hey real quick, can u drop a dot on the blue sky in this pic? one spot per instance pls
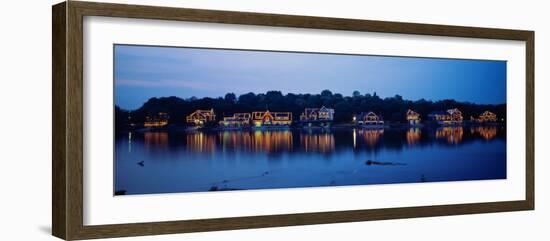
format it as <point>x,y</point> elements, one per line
<point>142,72</point>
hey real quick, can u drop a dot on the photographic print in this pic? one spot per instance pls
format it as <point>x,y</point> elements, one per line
<point>203,119</point>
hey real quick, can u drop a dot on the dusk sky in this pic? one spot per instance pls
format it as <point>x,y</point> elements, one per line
<point>142,72</point>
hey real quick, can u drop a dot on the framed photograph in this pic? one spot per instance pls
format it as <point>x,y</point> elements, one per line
<point>171,120</point>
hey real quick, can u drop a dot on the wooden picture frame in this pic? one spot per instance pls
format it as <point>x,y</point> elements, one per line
<point>67,150</point>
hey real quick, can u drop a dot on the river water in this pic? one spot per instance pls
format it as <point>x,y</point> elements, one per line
<point>169,162</point>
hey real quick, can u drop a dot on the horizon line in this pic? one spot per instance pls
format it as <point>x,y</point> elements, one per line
<point>285,94</point>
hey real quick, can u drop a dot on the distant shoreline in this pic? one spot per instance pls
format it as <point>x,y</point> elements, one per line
<point>182,128</point>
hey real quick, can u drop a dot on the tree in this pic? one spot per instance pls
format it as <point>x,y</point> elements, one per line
<point>230,97</point>
<point>343,112</point>
<point>326,93</point>
<point>274,94</point>
<point>392,108</point>
<point>247,99</point>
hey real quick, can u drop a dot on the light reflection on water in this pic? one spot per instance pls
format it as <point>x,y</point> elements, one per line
<point>487,132</point>
<point>370,136</point>
<point>453,135</point>
<point>322,142</point>
<point>228,160</point>
<point>199,142</point>
<point>155,140</point>
<point>413,136</point>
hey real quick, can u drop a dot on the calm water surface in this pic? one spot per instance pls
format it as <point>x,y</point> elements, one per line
<point>167,162</point>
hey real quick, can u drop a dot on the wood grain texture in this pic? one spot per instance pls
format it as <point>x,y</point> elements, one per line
<point>155,228</point>
<point>530,120</point>
<point>280,20</point>
<point>75,106</point>
<point>59,192</point>
<point>67,180</point>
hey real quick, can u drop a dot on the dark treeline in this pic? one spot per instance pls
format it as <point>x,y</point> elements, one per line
<point>391,108</point>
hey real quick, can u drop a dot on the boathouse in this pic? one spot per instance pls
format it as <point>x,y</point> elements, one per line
<point>369,119</point>
<point>322,114</point>
<point>200,117</point>
<point>450,117</point>
<point>159,120</point>
<point>412,117</point>
<point>487,117</point>
<point>237,120</point>
<point>267,118</point>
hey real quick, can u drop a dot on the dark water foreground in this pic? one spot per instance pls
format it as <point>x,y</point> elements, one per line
<point>167,162</point>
